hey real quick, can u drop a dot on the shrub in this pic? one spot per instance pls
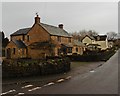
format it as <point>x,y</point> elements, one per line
<point>18,68</point>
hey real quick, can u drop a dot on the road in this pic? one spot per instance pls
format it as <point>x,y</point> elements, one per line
<point>102,80</point>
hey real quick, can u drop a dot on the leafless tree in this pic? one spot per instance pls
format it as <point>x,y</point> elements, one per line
<point>112,35</point>
<point>79,35</point>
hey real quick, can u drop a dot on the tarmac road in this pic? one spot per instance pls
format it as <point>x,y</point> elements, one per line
<point>102,80</point>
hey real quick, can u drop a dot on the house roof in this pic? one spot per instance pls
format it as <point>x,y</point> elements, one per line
<point>23,31</point>
<point>78,43</point>
<point>19,43</point>
<point>92,38</point>
<point>52,30</point>
<point>100,37</point>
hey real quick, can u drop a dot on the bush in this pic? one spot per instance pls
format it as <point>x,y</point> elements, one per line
<point>94,56</point>
<point>18,68</point>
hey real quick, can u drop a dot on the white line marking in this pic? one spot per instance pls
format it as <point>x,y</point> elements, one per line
<point>69,77</point>
<point>27,86</point>
<point>10,91</point>
<point>60,80</point>
<point>51,83</point>
<point>34,88</point>
<point>20,94</point>
<point>92,71</point>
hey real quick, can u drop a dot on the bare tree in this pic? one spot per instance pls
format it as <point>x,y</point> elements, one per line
<point>79,35</point>
<point>112,35</point>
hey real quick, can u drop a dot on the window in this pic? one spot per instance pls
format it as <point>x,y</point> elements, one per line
<point>28,38</point>
<point>59,38</point>
<point>69,50</point>
<point>69,40</point>
<point>58,51</point>
<point>13,50</point>
<point>23,51</point>
<point>23,37</point>
<point>76,49</point>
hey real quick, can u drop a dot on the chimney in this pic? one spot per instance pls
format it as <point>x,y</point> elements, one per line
<point>60,26</point>
<point>37,19</point>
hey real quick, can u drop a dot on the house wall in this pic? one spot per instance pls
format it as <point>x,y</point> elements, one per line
<point>19,53</point>
<point>87,40</point>
<point>80,50</point>
<point>19,37</point>
<point>37,34</point>
<point>56,51</point>
<point>64,40</point>
<point>38,53</point>
<point>103,45</point>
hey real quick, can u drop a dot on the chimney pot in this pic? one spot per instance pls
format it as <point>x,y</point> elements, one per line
<point>60,26</point>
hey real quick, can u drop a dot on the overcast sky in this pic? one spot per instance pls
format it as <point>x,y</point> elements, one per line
<point>99,16</point>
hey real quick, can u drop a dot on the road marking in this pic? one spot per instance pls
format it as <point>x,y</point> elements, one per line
<point>20,94</point>
<point>51,83</point>
<point>34,88</point>
<point>92,71</point>
<point>10,91</point>
<point>27,86</point>
<point>69,77</point>
<point>60,80</point>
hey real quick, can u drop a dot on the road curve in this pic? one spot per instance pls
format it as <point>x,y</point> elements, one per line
<point>103,80</point>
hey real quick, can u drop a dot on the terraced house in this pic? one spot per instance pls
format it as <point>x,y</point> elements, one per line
<point>42,40</point>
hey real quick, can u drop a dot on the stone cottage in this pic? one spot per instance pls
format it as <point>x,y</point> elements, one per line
<point>41,40</point>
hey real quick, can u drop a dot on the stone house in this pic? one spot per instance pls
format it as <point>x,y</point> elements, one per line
<point>99,41</point>
<point>39,41</point>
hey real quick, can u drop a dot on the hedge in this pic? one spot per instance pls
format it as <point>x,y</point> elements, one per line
<point>93,56</point>
<point>22,68</point>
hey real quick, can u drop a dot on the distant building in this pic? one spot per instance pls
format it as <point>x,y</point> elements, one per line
<point>99,41</point>
<point>42,40</point>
